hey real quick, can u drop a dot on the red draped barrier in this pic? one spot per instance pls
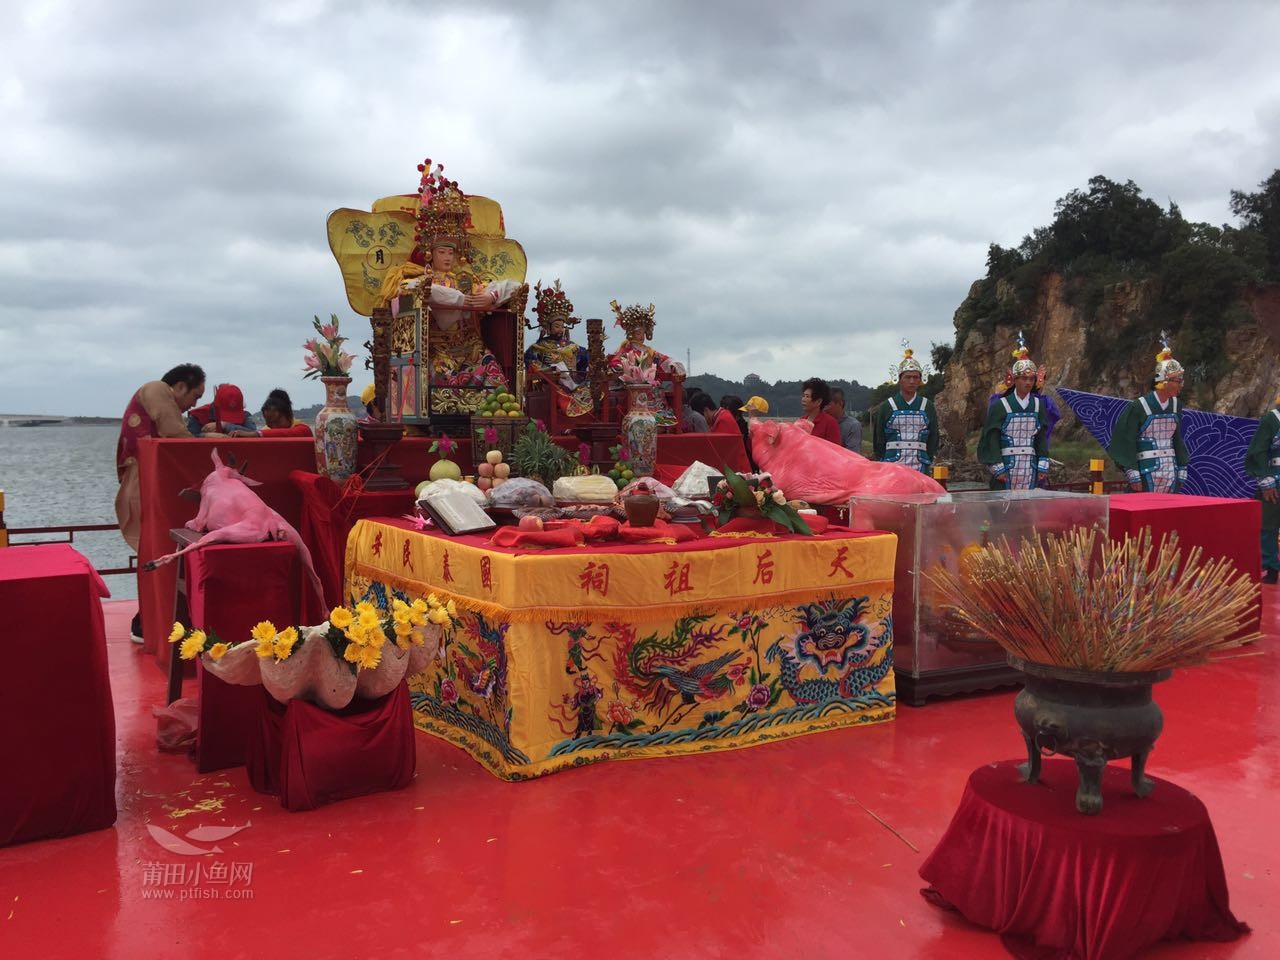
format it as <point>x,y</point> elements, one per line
<point>1221,527</point>
<point>327,518</point>
<point>310,756</point>
<point>229,589</point>
<point>58,751</point>
<point>165,467</point>
<point>1056,884</point>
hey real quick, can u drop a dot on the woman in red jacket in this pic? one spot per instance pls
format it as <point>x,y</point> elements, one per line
<point>724,420</point>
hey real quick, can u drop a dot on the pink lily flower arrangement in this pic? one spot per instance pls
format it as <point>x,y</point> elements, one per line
<point>325,356</point>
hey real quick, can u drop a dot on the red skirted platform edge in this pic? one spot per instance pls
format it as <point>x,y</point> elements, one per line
<point>1057,885</point>
<point>309,756</point>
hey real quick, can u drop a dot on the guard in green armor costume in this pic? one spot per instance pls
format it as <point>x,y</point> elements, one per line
<point>1014,442</point>
<point>904,429</point>
<point>1147,441</point>
<point>1263,461</point>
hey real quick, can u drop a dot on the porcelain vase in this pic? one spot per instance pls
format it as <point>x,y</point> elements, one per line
<point>640,428</point>
<point>336,432</point>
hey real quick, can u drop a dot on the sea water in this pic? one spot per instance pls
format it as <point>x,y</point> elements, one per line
<point>60,475</point>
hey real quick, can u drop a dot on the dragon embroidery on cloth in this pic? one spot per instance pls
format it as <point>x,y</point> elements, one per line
<point>834,635</point>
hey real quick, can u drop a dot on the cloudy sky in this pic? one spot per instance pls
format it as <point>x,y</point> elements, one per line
<point>796,185</point>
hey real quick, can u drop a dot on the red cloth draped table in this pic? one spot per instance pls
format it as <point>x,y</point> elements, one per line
<point>1058,885</point>
<point>327,517</point>
<point>165,467</point>
<point>1220,526</point>
<point>310,756</point>
<point>58,752</point>
<point>231,587</point>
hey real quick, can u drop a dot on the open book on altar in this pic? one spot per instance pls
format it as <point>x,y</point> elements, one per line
<point>456,513</point>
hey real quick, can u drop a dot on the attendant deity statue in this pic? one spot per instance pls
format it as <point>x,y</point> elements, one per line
<point>637,325</point>
<point>1147,441</point>
<point>635,360</point>
<point>556,356</point>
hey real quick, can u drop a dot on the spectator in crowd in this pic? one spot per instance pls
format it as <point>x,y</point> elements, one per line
<point>372,404</point>
<point>850,428</point>
<point>277,415</point>
<point>226,416</point>
<point>814,397</point>
<point>724,420</point>
<point>701,412</point>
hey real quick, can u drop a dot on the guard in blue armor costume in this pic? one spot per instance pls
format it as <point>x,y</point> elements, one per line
<point>1015,439</point>
<point>904,429</point>
<point>1147,441</point>
<point>1262,460</point>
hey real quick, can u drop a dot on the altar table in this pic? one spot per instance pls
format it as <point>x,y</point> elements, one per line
<point>1057,885</point>
<point>58,753</point>
<point>561,658</point>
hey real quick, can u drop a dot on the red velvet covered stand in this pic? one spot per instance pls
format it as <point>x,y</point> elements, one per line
<point>1058,885</point>
<point>231,587</point>
<point>58,748</point>
<point>309,756</point>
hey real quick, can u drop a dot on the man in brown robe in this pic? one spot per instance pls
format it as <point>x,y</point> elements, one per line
<point>157,409</point>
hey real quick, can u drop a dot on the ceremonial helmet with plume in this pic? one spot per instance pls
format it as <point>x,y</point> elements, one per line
<point>908,364</point>
<point>1166,366</point>
<point>1022,363</point>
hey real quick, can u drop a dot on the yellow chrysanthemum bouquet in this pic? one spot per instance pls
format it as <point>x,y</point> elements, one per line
<point>357,650</point>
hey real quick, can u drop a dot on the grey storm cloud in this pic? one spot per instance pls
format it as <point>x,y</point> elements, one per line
<point>795,186</point>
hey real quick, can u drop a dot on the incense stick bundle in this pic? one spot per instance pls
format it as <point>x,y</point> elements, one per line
<point>1085,601</point>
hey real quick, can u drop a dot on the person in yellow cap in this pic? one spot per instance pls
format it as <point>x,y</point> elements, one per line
<point>369,397</point>
<point>755,406</point>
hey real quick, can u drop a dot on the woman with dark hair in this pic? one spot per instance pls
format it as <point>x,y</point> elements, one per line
<point>701,411</point>
<point>725,420</point>
<point>277,414</point>
<point>732,404</point>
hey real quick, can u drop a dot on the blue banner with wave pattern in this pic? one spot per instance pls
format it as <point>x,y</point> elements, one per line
<point>1215,442</point>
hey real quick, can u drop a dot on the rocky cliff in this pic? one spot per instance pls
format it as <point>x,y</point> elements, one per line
<point>1103,339</point>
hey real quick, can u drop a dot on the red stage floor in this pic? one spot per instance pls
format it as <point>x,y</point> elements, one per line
<point>803,848</point>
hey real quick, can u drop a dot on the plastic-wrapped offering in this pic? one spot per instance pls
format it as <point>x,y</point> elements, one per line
<point>650,486</point>
<point>438,487</point>
<point>520,492</point>
<point>586,489</point>
<point>693,482</point>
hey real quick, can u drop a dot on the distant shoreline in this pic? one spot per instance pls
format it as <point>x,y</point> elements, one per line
<point>36,420</point>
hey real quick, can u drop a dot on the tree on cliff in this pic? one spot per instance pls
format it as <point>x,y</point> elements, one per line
<point>1109,232</point>
<point>1260,212</point>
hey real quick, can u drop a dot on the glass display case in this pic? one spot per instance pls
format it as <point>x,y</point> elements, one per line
<point>933,653</point>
